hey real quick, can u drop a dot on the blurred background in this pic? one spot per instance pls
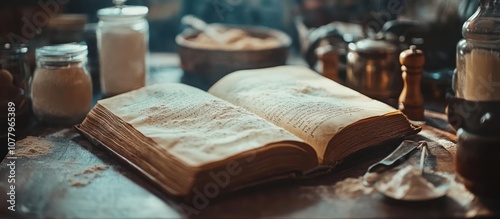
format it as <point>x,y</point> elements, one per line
<point>442,15</point>
<point>433,25</point>
<point>317,29</point>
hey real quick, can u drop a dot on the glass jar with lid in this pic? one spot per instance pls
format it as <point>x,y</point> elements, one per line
<point>122,39</point>
<point>474,110</point>
<point>15,78</point>
<point>62,87</point>
<point>478,55</point>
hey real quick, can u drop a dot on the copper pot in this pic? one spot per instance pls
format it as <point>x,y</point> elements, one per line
<point>373,68</point>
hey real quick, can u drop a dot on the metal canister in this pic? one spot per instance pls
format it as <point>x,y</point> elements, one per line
<point>373,68</point>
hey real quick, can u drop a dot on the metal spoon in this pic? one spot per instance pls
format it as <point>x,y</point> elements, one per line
<point>440,183</point>
<point>377,170</point>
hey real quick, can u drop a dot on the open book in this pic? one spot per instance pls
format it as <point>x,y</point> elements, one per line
<point>253,125</point>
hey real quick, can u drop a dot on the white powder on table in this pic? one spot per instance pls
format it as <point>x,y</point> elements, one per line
<point>87,176</point>
<point>408,183</point>
<point>63,133</point>
<point>32,146</point>
<point>352,188</point>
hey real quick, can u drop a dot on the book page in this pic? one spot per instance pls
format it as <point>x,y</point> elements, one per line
<point>193,125</point>
<point>300,100</point>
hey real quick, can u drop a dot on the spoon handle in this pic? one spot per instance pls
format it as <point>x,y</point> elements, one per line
<point>376,170</point>
<point>423,146</point>
<point>194,22</point>
<point>202,26</point>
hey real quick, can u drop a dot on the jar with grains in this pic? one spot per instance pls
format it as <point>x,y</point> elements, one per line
<point>62,87</point>
<point>122,39</point>
<point>15,78</point>
<point>475,109</point>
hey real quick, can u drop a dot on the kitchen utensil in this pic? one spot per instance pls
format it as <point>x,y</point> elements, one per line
<point>440,183</point>
<point>411,100</point>
<point>376,170</point>
<point>373,68</point>
<point>201,26</point>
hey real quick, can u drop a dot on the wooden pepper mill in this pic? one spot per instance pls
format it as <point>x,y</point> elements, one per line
<point>411,101</point>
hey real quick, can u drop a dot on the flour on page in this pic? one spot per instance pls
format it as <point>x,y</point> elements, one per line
<point>299,100</point>
<point>193,125</point>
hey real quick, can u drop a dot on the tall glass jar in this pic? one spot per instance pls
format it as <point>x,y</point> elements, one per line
<point>15,78</point>
<point>478,55</point>
<point>62,87</point>
<point>475,109</point>
<point>122,39</point>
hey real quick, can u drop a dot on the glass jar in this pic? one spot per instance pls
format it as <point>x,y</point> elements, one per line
<point>62,87</point>
<point>15,78</point>
<point>478,55</point>
<point>475,109</point>
<point>122,39</point>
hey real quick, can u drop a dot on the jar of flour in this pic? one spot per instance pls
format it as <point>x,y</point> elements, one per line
<point>122,39</point>
<point>61,90</point>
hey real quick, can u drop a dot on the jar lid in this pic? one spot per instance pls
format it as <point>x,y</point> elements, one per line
<point>122,12</point>
<point>61,53</point>
<point>371,46</point>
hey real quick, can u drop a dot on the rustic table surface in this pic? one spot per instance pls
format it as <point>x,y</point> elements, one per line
<point>64,183</point>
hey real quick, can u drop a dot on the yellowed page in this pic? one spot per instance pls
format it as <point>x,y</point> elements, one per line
<point>193,125</point>
<point>298,99</point>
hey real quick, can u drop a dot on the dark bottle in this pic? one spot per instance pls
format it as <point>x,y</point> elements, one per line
<point>15,79</point>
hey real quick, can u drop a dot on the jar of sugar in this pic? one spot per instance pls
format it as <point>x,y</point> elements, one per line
<point>61,90</point>
<point>122,39</point>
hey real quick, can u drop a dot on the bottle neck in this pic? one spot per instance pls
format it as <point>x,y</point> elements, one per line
<point>484,25</point>
<point>488,8</point>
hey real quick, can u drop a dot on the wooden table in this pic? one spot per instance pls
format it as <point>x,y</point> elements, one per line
<point>45,186</point>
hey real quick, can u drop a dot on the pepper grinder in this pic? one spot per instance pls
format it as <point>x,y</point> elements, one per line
<point>411,101</point>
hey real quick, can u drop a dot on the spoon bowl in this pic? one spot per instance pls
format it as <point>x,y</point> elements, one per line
<point>441,186</point>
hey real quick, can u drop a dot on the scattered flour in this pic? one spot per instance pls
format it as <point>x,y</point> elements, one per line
<point>62,133</point>
<point>87,176</point>
<point>408,183</point>
<point>33,146</point>
<point>457,191</point>
<point>352,188</point>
